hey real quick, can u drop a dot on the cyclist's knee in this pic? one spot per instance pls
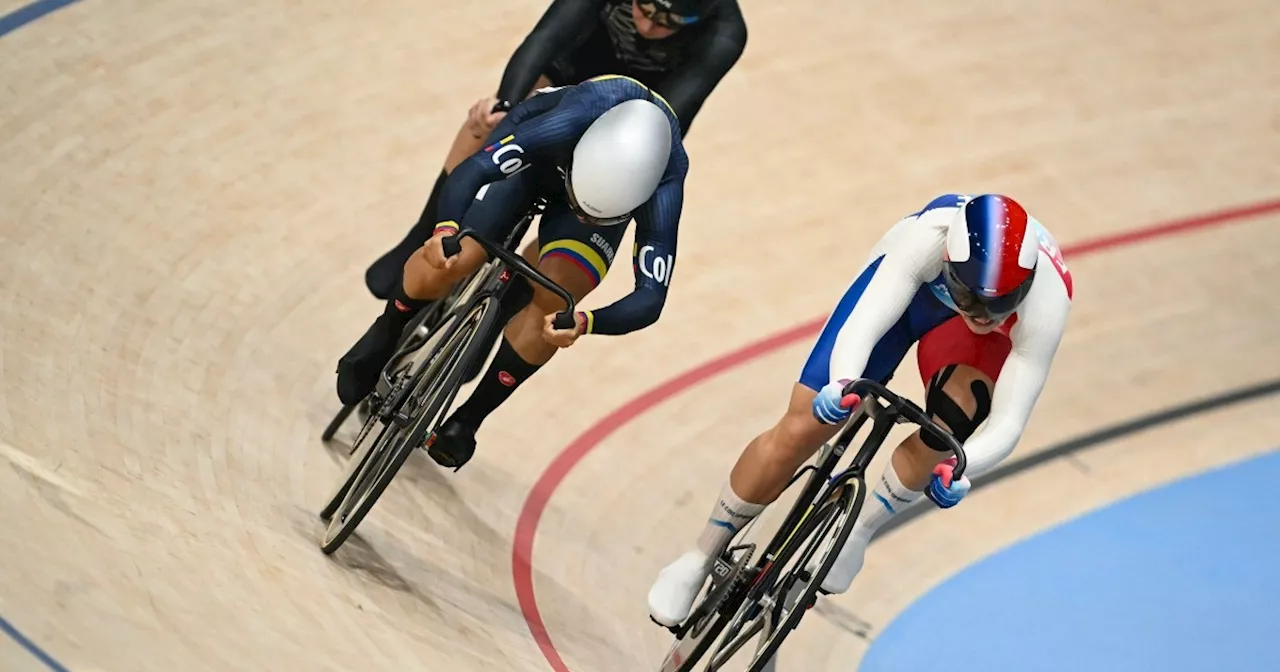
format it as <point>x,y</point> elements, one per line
<point>544,302</point>
<point>959,399</point>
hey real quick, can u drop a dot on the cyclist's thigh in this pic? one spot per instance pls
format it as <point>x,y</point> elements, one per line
<point>575,254</point>
<point>952,343</point>
<point>959,369</point>
<point>959,397</point>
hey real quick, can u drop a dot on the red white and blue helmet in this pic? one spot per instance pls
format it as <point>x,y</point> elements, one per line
<point>991,257</point>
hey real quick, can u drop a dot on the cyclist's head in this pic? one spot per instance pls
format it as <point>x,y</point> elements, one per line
<point>990,258</point>
<point>656,19</point>
<point>618,162</point>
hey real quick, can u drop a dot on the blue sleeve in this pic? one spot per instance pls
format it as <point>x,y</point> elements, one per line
<point>653,259</point>
<point>542,124</point>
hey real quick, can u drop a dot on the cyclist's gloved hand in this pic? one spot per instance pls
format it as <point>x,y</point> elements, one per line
<point>832,406</point>
<point>943,490</point>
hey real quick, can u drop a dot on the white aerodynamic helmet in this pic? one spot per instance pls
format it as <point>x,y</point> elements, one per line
<point>618,162</point>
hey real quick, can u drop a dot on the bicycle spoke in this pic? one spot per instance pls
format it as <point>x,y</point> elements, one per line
<point>723,654</point>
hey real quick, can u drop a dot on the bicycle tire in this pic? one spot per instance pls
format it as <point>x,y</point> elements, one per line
<point>852,506</point>
<point>359,445</point>
<point>434,315</point>
<point>338,418</point>
<point>733,599</point>
<point>769,578</point>
<point>442,367</point>
<point>375,416</point>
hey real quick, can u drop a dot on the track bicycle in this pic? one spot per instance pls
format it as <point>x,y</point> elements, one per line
<point>421,325</point>
<point>411,338</point>
<point>419,383</point>
<point>765,596</point>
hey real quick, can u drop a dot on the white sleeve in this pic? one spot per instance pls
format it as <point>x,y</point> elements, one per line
<point>1035,341</point>
<point>907,260</point>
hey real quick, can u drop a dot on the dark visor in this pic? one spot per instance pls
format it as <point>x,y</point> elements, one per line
<point>977,306</point>
<point>664,18</point>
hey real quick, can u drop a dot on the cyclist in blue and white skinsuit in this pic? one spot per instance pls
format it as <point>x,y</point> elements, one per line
<point>984,289</point>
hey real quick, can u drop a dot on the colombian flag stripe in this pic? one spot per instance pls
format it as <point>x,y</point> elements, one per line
<point>581,255</point>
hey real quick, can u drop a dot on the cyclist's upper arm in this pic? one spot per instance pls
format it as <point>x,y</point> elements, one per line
<point>562,23</point>
<point>709,60</point>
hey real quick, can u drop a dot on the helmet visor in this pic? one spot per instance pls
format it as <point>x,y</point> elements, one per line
<point>664,17</point>
<point>977,306</point>
<point>581,212</point>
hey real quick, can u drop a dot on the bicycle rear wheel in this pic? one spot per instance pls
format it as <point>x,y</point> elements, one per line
<point>433,385</point>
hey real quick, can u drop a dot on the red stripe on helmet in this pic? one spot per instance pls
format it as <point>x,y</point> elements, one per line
<point>1014,228</point>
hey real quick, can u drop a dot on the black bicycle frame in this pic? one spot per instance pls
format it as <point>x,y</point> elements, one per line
<point>453,245</point>
<point>894,410</point>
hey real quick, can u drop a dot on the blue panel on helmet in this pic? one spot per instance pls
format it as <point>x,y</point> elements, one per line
<point>943,201</point>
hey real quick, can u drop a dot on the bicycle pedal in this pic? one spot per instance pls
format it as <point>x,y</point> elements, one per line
<point>426,447</point>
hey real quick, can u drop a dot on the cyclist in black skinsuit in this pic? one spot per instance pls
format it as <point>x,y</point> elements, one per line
<point>679,48</point>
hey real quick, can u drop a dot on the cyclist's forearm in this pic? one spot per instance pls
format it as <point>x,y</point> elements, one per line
<point>463,184</point>
<point>633,312</point>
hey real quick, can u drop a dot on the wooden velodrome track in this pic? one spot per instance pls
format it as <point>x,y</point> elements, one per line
<point>190,192</point>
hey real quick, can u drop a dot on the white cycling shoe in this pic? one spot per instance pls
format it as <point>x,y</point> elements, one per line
<point>678,584</point>
<point>847,564</point>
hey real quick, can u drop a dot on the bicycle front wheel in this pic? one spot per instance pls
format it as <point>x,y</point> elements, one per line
<point>771,602</point>
<point>797,589</point>
<point>418,411</point>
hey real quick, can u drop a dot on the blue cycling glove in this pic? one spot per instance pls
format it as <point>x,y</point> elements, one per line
<point>943,490</point>
<point>832,406</point>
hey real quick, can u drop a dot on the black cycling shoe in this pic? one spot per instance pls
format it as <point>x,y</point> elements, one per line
<point>452,445</point>
<point>358,370</point>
